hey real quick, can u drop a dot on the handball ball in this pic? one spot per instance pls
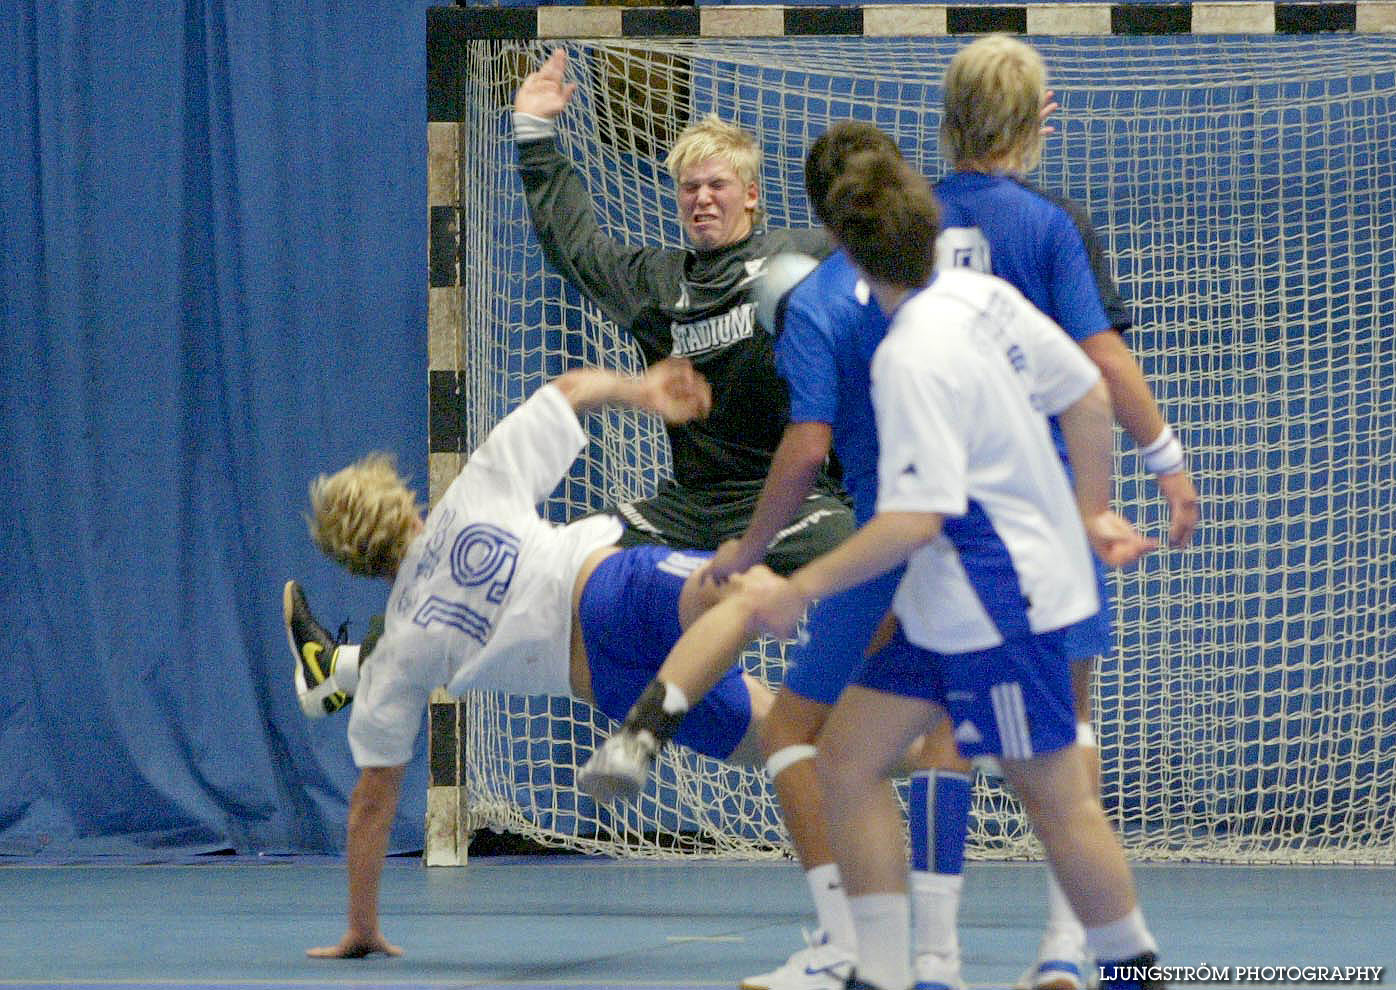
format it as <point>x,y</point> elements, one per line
<point>781,274</point>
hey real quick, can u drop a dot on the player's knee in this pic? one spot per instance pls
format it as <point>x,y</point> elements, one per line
<point>1052,786</point>
<point>936,750</point>
<point>783,759</point>
<point>791,722</point>
<point>841,779</point>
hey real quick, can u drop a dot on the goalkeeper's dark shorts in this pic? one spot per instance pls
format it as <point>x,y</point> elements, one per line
<point>689,519</point>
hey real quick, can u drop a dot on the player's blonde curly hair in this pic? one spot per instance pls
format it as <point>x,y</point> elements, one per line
<point>363,516</point>
<point>993,105</point>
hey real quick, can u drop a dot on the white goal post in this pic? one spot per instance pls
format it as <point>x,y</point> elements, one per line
<point>1244,185</point>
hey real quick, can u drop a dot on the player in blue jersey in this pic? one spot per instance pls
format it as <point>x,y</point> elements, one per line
<point>486,595</point>
<point>994,220</point>
<point>828,328</point>
<point>973,498</point>
<point>1046,246</point>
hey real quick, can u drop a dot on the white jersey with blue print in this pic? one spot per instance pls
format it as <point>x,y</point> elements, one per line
<point>483,599</point>
<point>961,387</point>
<point>830,330</point>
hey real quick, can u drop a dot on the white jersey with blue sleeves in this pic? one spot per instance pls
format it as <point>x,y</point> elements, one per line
<point>830,330</point>
<point>961,387</point>
<point>483,599</point>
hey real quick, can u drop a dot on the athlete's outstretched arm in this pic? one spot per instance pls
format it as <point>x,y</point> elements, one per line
<point>888,539</point>
<point>1138,413</point>
<point>672,388</point>
<point>621,279</point>
<point>371,810</point>
<point>803,449</point>
<point>1087,426</point>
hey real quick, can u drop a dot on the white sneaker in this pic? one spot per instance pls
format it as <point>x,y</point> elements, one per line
<point>1061,964</point>
<point>620,767</point>
<point>937,972</point>
<point>820,965</point>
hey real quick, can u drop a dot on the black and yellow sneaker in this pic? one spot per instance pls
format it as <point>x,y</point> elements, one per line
<point>317,656</point>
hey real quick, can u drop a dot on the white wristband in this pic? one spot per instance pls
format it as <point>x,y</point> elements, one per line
<point>1165,454</point>
<point>530,127</point>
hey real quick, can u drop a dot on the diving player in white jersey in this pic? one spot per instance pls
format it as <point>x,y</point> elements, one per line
<point>487,595</point>
<point>973,498</point>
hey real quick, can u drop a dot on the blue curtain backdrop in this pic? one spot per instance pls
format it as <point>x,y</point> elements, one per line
<point>212,280</point>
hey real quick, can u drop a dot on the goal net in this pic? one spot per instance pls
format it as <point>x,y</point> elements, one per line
<point>1245,190</point>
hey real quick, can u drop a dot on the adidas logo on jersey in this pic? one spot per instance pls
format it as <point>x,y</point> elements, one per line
<point>966,732</point>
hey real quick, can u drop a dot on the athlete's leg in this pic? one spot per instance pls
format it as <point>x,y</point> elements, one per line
<point>1086,857</point>
<point>937,824</point>
<point>895,695</point>
<point>838,632</point>
<point>1056,795</point>
<point>699,659</point>
<point>1061,963</point>
<point>1019,698</point>
<point>863,742</point>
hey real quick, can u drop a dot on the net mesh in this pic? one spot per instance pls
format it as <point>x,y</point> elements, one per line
<point>1244,192</point>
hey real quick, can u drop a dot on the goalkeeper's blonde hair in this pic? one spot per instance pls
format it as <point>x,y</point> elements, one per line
<point>993,105</point>
<point>713,137</point>
<point>364,516</point>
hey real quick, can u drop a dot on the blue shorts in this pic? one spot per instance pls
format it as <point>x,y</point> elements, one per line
<point>836,635</point>
<point>1012,701</point>
<point>1093,637</point>
<point>629,614</point>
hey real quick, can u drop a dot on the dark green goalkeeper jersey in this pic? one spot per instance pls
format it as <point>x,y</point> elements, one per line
<point>692,304</point>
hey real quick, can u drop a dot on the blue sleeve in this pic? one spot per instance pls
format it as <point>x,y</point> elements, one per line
<point>806,359</point>
<point>1082,284</point>
<point>1076,303</point>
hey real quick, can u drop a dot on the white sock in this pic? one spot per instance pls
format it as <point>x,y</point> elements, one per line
<point>1061,920</point>
<point>344,668</point>
<point>883,923</point>
<point>935,912</point>
<point>831,905</point>
<point>1121,940</point>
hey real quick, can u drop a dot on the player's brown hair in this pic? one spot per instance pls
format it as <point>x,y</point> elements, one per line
<point>885,214</point>
<point>826,158</point>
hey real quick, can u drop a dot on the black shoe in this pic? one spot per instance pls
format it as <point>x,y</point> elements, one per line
<point>315,652</point>
<point>1140,973</point>
<point>853,983</point>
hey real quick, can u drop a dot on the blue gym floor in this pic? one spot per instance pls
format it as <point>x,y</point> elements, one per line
<point>524,922</point>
